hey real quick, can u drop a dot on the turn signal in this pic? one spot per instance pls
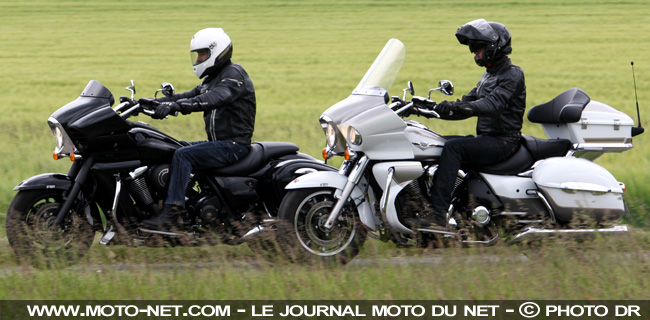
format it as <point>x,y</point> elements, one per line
<point>325,154</point>
<point>72,156</point>
<point>55,156</point>
<point>347,154</point>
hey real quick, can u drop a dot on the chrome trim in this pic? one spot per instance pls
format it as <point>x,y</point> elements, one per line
<point>531,231</point>
<point>516,213</point>
<point>447,233</point>
<point>573,187</point>
<point>116,199</point>
<point>164,233</point>
<point>485,242</point>
<point>138,172</point>
<point>546,204</point>
<point>353,179</point>
<point>369,92</point>
<point>302,171</point>
<point>384,199</point>
<point>108,236</point>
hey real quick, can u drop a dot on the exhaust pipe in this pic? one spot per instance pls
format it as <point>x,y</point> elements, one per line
<point>531,231</point>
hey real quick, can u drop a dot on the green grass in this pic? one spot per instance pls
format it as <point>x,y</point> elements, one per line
<point>304,56</point>
<point>603,268</point>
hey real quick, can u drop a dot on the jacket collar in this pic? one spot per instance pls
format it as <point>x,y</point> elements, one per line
<point>499,65</point>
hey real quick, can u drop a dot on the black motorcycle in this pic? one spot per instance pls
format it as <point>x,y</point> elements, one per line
<point>119,177</point>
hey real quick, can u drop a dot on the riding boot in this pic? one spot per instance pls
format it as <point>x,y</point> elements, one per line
<point>167,218</point>
<point>435,221</point>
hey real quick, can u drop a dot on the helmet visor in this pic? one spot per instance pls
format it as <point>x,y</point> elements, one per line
<point>199,56</point>
<point>475,47</point>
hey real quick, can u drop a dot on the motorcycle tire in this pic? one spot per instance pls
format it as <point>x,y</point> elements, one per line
<point>33,238</point>
<point>301,230</point>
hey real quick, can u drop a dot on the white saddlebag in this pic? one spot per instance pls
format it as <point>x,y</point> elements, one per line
<point>575,185</point>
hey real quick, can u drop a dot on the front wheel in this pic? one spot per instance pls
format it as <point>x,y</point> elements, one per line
<point>33,236</point>
<point>302,233</point>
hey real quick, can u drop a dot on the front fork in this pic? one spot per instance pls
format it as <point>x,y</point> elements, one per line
<point>354,177</point>
<point>79,180</point>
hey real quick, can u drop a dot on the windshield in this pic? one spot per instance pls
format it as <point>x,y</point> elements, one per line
<point>384,70</point>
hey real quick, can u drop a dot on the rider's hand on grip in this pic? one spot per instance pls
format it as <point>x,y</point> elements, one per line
<point>186,105</point>
<point>445,108</point>
<point>166,108</point>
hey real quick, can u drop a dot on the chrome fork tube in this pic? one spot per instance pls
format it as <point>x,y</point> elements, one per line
<point>353,179</point>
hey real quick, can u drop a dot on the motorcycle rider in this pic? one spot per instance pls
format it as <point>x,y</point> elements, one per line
<point>227,98</point>
<point>499,102</point>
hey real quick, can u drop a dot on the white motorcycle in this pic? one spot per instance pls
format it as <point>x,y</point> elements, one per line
<point>547,187</point>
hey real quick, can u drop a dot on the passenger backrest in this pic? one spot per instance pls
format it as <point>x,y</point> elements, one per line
<point>565,108</point>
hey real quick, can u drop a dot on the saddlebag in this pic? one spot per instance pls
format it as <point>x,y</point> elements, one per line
<point>578,186</point>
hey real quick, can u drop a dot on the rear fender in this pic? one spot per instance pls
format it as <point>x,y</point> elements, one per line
<point>335,180</point>
<point>45,181</point>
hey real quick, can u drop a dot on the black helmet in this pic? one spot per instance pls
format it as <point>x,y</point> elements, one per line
<point>492,35</point>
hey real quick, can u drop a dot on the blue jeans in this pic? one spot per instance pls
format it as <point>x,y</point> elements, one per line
<point>481,150</point>
<point>199,156</point>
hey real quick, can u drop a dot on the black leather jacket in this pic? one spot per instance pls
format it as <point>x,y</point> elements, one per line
<point>227,99</point>
<point>499,100</point>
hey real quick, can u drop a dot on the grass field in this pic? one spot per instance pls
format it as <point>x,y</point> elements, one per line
<point>304,56</point>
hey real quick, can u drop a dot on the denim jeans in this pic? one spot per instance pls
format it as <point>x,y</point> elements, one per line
<point>199,156</point>
<point>482,150</point>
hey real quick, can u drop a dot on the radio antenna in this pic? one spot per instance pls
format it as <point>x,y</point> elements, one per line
<point>639,129</point>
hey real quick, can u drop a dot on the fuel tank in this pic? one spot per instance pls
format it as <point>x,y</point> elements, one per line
<point>426,144</point>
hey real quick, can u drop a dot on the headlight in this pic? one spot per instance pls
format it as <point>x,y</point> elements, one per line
<point>58,135</point>
<point>64,145</point>
<point>330,135</point>
<point>352,135</point>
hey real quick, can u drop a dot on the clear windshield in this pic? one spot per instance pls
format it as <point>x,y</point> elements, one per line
<point>384,70</point>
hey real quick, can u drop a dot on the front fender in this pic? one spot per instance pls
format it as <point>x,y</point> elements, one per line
<point>329,179</point>
<point>45,181</point>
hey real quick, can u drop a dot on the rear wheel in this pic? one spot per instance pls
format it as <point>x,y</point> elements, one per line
<point>302,233</point>
<point>33,236</point>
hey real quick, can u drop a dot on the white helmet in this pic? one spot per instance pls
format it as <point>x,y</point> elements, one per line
<point>209,49</point>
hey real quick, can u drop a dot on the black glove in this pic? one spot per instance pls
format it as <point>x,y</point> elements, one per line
<point>165,108</point>
<point>445,108</point>
<point>187,105</point>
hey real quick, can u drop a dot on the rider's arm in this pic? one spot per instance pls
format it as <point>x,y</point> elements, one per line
<point>227,90</point>
<point>500,98</point>
<point>471,96</point>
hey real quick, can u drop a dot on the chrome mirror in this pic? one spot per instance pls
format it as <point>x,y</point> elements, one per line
<point>409,90</point>
<point>132,89</point>
<point>166,88</point>
<point>445,86</point>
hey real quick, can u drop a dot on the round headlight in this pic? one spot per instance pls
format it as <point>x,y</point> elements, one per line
<point>352,135</point>
<point>330,135</point>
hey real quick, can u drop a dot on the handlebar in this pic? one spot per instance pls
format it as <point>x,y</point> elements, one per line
<point>401,106</point>
<point>134,109</point>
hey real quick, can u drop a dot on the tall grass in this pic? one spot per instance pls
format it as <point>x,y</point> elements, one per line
<point>304,56</point>
<point>602,268</point>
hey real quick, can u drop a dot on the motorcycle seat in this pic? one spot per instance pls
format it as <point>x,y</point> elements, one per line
<point>531,150</point>
<point>546,148</point>
<point>259,154</point>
